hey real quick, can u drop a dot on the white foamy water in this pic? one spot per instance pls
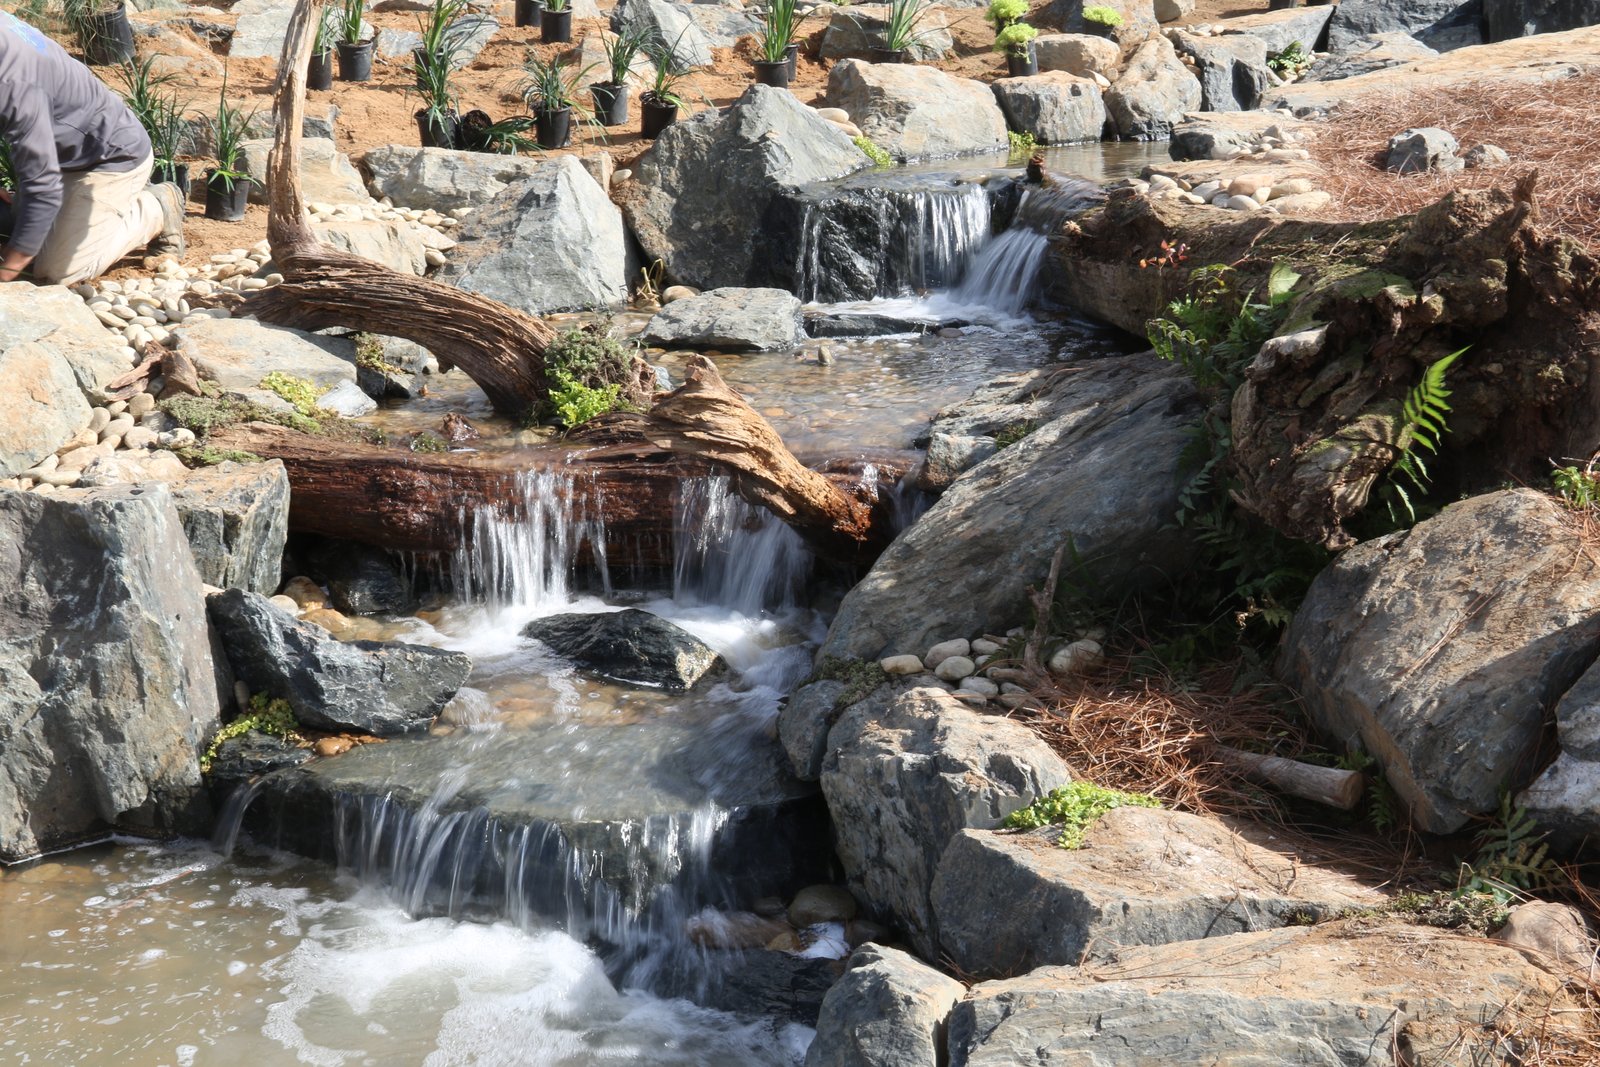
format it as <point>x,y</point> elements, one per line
<point>173,956</point>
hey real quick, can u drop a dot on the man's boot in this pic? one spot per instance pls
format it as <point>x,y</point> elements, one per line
<point>170,240</point>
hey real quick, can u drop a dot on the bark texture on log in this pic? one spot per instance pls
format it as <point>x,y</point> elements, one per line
<point>422,502</point>
<point>1317,423</point>
<point>499,347</point>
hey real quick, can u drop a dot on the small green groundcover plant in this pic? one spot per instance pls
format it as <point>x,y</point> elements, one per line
<point>870,148</point>
<point>587,367</point>
<point>298,392</point>
<point>1100,15</point>
<point>1075,807</point>
<point>266,715</point>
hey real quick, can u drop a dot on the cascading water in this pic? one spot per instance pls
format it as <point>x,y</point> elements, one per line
<point>862,241</point>
<point>733,554</point>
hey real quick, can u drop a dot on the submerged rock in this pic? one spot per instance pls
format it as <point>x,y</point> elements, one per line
<point>629,646</point>
<point>769,984</point>
<point>239,759</point>
<point>377,687</point>
<point>107,686</point>
<point>1144,877</point>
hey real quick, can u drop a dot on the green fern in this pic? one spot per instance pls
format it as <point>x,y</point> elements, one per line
<point>1424,416</point>
<point>1512,857</point>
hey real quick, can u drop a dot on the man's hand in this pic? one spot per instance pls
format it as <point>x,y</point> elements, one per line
<point>12,263</point>
<point>5,196</point>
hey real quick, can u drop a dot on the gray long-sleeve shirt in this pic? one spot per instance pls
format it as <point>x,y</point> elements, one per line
<point>56,116</point>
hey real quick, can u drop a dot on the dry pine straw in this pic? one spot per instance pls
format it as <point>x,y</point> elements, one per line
<point>1553,126</point>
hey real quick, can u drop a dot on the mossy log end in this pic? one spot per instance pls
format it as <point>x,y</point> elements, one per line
<point>1316,423</point>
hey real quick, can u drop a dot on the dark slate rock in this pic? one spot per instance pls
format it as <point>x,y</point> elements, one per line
<point>1504,19</point>
<point>858,324</point>
<point>773,984</point>
<point>240,759</point>
<point>1439,24</point>
<point>361,580</point>
<point>378,687</point>
<point>631,646</point>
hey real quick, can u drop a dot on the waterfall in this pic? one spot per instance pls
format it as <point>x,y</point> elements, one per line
<point>734,554</point>
<point>525,559</point>
<point>859,242</point>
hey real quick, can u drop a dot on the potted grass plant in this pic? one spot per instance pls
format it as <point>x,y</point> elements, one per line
<point>101,28</point>
<point>509,136</point>
<point>160,113</point>
<point>659,105</point>
<point>433,64</point>
<point>527,13</point>
<point>227,184</point>
<point>1016,43</point>
<point>902,30</point>
<point>319,68</point>
<point>355,47</point>
<point>777,34</point>
<point>611,95</point>
<point>550,88</point>
<point>555,25</point>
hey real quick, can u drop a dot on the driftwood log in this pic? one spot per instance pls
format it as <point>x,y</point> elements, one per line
<point>1325,785</point>
<point>415,502</point>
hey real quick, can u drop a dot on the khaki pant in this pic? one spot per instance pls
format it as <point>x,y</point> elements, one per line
<point>104,216</point>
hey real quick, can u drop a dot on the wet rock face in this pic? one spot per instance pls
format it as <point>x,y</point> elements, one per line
<point>377,687</point>
<point>888,1010</point>
<point>631,646</point>
<point>361,580</point>
<point>1437,649</point>
<point>107,687</point>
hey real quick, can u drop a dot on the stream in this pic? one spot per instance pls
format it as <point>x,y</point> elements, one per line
<point>515,887</point>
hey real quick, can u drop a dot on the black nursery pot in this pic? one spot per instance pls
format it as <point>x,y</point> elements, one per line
<point>107,37</point>
<point>176,173</point>
<point>610,103</point>
<point>555,27</point>
<point>438,131</point>
<point>887,55</point>
<point>222,203</point>
<point>774,72</point>
<point>355,61</point>
<point>553,127</point>
<point>528,12</point>
<point>656,117</point>
<point>319,71</point>
<point>1022,66</point>
<point>791,56</point>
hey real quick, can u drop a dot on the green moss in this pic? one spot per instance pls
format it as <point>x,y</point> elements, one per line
<point>209,414</point>
<point>860,678</point>
<point>300,393</point>
<point>1014,433</point>
<point>369,354</point>
<point>1466,912</point>
<point>428,441</point>
<point>1075,808</point>
<point>870,148</point>
<point>268,716</point>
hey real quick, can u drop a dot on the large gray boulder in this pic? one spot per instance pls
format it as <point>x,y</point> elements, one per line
<point>698,196</point>
<point>238,353</point>
<point>1138,19</point>
<point>394,243</point>
<point>1232,68</point>
<point>888,1010</point>
<point>41,406</point>
<point>853,32</point>
<point>442,179</point>
<point>1437,649</point>
<point>667,27</point>
<point>1504,19</point>
<point>1103,474</point>
<point>1335,994</point>
<point>1056,107</point>
<point>236,518</point>
<point>59,320</point>
<point>107,688</point>
<point>902,782</point>
<point>736,320</point>
<point>1152,93</point>
<point>1083,54</point>
<point>630,646</point>
<point>1565,799</point>
<point>1439,24</point>
<point>1380,51</point>
<point>551,242</point>
<point>1007,903</point>
<point>724,26</point>
<point>917,112</point>
<point>260,28</point>
<point>1305,26</point>
<point>378,687</point>
<point>326,174</point>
